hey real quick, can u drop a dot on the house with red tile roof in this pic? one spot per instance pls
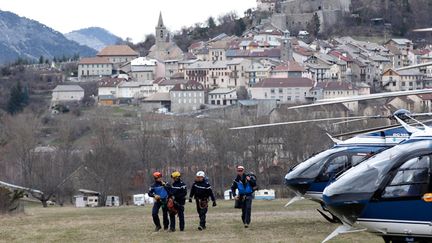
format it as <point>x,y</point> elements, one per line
<point>334,89</point>
<point>291,69</point>
<point>118,53</point>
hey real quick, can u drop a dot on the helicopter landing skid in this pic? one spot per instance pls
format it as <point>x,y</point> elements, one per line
<point>333,219</point>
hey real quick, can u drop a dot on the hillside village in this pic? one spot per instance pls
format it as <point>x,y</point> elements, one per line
<point>266,63</point>
<point>131,114</point>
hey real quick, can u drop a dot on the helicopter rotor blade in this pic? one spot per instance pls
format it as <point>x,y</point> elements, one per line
<point>306,121</point>
<point>363,97</point>
<point>376,129</point>
<point>349,121</point>
<point>15,187</point>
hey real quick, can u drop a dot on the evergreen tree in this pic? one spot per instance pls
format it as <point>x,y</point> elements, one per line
<point>211,24</point>
<point>313,27</point>
<point>18,99</point>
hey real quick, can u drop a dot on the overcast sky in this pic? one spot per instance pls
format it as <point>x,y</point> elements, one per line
<point>125,18</point>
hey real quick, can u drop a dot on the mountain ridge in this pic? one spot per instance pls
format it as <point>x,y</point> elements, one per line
<point>26,38</point>
<point>93,37</point>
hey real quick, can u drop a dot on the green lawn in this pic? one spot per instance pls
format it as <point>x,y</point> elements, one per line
<point>271,222</point>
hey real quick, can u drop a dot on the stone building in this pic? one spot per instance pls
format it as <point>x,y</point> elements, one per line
<point>164,49</point>
<point>296,14</point>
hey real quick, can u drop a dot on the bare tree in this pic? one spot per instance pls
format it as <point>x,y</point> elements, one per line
<point>111,167</point>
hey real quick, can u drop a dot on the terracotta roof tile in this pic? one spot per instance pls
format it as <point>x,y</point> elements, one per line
<point>94,60</point>
<point>117,50</point>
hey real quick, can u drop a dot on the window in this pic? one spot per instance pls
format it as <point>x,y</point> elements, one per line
<point>280,91</point>
<point>335,166</point>
<point>356,159</point>
<point>411,180</point>
<point>272,91</point>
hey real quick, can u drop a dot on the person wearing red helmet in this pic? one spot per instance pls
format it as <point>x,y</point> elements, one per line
<point>159,192</point>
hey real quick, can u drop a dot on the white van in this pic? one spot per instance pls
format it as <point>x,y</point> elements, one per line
<point>138,200</point>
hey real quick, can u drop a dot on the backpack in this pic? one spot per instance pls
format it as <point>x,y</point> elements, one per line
<point>171,206</point>
<point>254,178</point>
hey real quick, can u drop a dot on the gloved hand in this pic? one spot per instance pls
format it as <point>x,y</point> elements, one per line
<point>214,204</point>
<point>190,200</point>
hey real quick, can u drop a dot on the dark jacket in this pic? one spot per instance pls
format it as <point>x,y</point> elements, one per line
<point>238,179</point>
<point>202,190</point>
<point>179,191</point>
<point>159,188</point>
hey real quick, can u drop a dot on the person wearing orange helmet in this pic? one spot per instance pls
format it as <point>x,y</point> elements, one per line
<point>159,192</point>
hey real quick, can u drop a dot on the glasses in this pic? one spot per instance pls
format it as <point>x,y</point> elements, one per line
<point>240,171</point>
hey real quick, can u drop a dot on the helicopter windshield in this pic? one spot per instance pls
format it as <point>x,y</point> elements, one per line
<point>311,168</point>
<point>368,176</point>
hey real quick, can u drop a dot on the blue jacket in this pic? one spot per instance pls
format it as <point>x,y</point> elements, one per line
<point>245,188</point>
<point>160,189</point>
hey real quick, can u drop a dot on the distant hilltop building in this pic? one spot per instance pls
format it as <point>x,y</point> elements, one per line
<point>164,49</point>
<point>267,5</point>
<point>296,14</point>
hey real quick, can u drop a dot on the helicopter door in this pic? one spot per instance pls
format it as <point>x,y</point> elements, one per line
<point>402,201</point>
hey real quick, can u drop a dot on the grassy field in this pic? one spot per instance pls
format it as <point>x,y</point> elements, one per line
<point>271,222</point>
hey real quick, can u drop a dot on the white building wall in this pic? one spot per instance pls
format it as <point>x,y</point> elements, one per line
<point>67,96</point>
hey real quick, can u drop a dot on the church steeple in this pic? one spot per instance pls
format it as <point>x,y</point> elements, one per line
<point>161,31</point>
<point>160,22</point>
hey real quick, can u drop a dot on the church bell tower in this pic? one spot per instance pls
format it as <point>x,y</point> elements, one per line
<point>161,31</point>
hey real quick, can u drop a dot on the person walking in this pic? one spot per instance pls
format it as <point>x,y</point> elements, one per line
<point>159,192</point>
<point>246,185</point>
<point>177,193</point>
<point>201,190</point>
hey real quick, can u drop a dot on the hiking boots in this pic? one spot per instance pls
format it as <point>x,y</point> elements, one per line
<point>157,228</point>
<point>246,226</point>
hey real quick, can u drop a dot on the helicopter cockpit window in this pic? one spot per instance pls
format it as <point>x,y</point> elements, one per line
<point>335,166</point>
<point>411,179</point>
<point>356,159</point>
<point>312,167</point>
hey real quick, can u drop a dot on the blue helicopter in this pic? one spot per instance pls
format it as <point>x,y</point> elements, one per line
<point>390,194</point>
<point>309,178</point>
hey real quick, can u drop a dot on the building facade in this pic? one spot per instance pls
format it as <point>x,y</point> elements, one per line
<point>91,67</point>
<point>67,93</point>
<point>285,90</point>
<point>187,97</point>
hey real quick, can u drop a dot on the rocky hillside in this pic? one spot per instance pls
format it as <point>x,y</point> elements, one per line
<point>26,38</point>
<point>93,37</point>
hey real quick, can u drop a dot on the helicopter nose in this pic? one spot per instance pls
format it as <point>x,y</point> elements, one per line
<point>299,186</point>
<point>346,207</point>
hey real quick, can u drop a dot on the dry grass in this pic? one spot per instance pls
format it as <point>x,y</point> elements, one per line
<point>271,222</point>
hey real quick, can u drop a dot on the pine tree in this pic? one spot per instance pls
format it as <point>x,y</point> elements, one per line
<point>313,27</point>
<point>211,24</point>
<point>18,99</point>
